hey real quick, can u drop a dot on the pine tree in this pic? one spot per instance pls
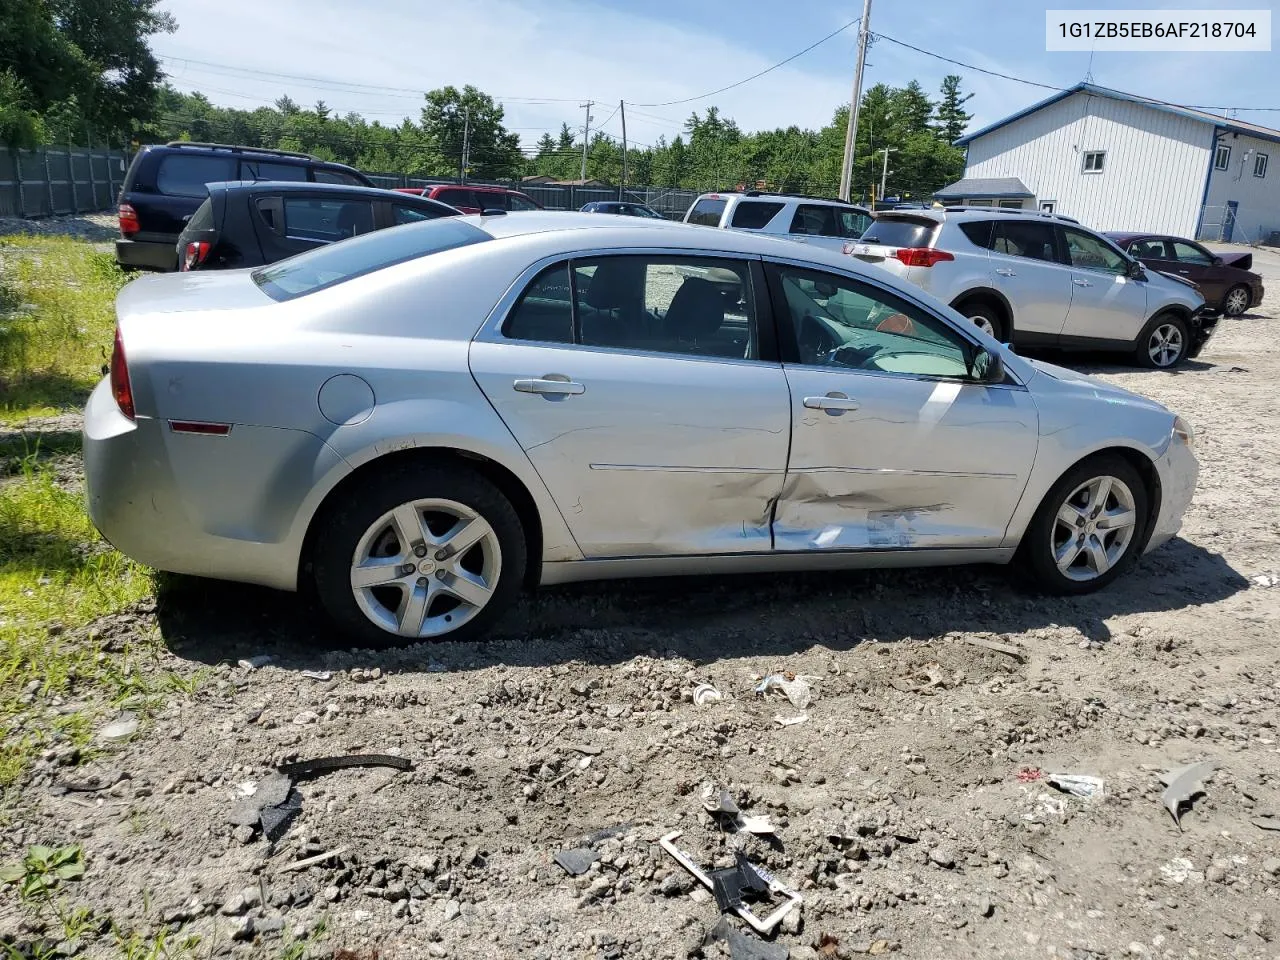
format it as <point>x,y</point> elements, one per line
<point>950,117</point>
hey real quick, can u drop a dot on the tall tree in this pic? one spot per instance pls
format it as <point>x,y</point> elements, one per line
<point>950,118</point>
<point>494,151</point>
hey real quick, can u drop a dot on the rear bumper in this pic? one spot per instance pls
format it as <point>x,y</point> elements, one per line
<point>147,255</point>
<point>1178,470</point>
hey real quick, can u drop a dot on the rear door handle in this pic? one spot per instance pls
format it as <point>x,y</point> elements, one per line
<point>1081,282</point>
<point>549,386</point>
<point>831,403</point>
<point>1005,272</point>
<point>1184,271</point>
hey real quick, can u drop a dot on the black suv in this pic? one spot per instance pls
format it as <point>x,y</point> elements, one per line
<point>249,224</point>
<point>166,183</point>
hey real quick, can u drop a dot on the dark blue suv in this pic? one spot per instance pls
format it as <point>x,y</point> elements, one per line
<point>166,183</point>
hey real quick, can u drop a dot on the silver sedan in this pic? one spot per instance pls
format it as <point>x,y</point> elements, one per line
<point>419,422</point>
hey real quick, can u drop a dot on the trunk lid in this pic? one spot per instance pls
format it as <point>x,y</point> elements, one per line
<point>204,291</point>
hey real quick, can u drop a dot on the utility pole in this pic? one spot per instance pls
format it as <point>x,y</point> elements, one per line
<point>622,108</point>
<point>465,160</point>
<point>851,134</point>
<point>586,136</point>
<point>884,172</point>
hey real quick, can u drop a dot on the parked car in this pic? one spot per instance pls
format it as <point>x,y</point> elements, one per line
<point>166,183</point>
<point>1225,280</point>
<point>1040,279</point>
<point>416,422</point>
<point>247,224</point>
<point>473,198</point>
<point>625,208</point>
<point>814,220</point>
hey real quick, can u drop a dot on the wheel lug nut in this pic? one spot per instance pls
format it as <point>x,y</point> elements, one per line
<point>442,555</point>
<point>422,581</point>
<point>419,551</point>
<point>406,569</point>
<point>441,574</point>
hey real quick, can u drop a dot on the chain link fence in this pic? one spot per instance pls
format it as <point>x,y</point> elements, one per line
<point>52,181</point>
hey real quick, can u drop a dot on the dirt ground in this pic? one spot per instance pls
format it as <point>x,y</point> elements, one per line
<point>900,810</point>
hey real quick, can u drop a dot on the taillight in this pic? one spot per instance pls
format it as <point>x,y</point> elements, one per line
<point>194,253</point>
<point>120,388</point>
<point>921,256</point>
<point>128,220</point>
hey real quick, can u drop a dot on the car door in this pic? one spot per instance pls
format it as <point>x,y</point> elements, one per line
<point>1026,268</point>
<point>1197,264</point>
<point>895,444</point>
<point>643,396</point>
<point>1106,304</point>
<point>291,223</point>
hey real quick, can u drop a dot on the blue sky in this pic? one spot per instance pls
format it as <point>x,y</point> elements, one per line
<point>543,57</point>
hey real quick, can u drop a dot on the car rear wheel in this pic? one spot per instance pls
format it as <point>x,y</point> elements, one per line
<point>415,554</point>
<point>1163,343</point>
<point>1089,528</point>
<point>986,316</point>
<point>1236,301</point>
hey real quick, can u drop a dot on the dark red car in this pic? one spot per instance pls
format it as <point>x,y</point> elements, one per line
<point>1225,280</point>
<point>474,199</point>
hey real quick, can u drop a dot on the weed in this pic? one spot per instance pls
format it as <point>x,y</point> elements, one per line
<point>42,869</point>
<point>158,946</point>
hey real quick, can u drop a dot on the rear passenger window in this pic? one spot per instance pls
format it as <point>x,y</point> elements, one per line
<point>545,310</point>
<point>978,232</point>
<point>707,212</point>
<point>754,214</point>
<point>457,198</point>
<point>326,221</point>
<point>266,170</point>
<point>182,175</point>
<point>1020,238</point>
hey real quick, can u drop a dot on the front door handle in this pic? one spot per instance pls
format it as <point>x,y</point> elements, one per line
<point>831,403</point>
<point>1005,272</point>
<point>550,385</point>
<point>1184,271</point>
<point>1081,282</point>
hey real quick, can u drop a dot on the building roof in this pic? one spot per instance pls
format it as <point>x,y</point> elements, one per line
<point>1223,123</point>
<point>995,187</point>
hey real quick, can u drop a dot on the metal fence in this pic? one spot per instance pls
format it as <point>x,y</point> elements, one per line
<point>51,181</point>
<point>670,202</point>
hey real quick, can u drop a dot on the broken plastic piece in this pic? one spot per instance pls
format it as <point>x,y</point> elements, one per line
<point>719,800</point>
<point>791,721</point>
<point>1089,788</point>
<point>307,768</point>
<point>705,693</point>
<point>796,689</point>
<point>743,947</point>
<point>317,674</point>
<point>793,898</point>
<point>312,861</point>
<point>576,862</point>
<point>1029,774</point>
<point>254,663</point>
<point>1183,784</point>
<point>276,820</point>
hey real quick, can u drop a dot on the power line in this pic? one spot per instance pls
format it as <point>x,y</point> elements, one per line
<point>754,76</point>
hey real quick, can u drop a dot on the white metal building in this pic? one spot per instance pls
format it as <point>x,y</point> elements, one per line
<point>1116,161</point>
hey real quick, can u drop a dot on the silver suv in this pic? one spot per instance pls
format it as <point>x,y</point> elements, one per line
<point>816,220</point>
<point>1039,279</point>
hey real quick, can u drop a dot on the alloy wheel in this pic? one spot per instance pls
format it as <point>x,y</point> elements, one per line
<point>1165,345</point>
<point>1237,302</point>
<point>1094,528</point>
<point>425,568</point>
<point>984,324</point>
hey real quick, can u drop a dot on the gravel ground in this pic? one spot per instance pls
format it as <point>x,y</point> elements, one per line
<point>912,807</point>
<point>95,227</point>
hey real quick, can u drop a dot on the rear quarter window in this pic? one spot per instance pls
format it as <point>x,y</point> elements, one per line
<point>978,232</point>
<point>900,232</point>
<point>202,219</point>
<point>336,263</point>
<point>755,214</point>
<point>707,212</point>
<point>267,170</point>
<point>185,175</point>
<point>337,176</point>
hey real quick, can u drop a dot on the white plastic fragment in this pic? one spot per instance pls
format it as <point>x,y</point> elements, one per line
<point>254,663</point>
<point>796,690</point>
<point>705,693</point>
<point>791,721</point>
<point>1088,788</point>
<point>120,730</point>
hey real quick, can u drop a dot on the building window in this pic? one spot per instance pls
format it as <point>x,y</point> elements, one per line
<point>1222,158</point>
<point>1093,160</point>
<point>1048,206</point>
<point>1260,165</point>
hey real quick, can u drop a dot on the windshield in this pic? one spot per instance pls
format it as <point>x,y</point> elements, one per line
<point>335,263</point>
<point>900,231</point>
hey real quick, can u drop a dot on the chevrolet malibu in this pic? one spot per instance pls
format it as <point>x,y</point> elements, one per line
<point>414,424</point>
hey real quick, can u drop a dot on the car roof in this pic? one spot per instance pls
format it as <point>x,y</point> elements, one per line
<point>306,186</point>
<point>775,197</point>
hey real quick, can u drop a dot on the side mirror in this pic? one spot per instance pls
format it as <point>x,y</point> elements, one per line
<point>1136,271</point>
<point>988,367</point>
<point>1218,261</point>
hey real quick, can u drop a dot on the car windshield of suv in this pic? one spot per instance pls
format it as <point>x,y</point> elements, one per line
<point>900,232</point>
<point>336,263</point>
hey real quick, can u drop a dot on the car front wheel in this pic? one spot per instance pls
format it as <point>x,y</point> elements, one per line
<point>419,553</point>
<point>1236,301</point>
<point>1089,528</point>
<point>1163,343</point>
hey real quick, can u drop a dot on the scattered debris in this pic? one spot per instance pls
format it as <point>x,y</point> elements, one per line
<point>256,663</point>
<point>1183,784</point>
<point>1179,870</point>
<point>93,784</point>
<point>1263,580</point>
<point>743,947</point>
<point>791,721</point>
<point>705,693</point>
<point>1018,653</point>
<point>925,680</point>
<point>729,884</point>
<point>720,803</point>
<point>321,675</point>
<point>122,729</point>
<point>796,689</point>
<point>577,862</point>
<point>1029,774</point>
<point>793,898</point>
<point>1088,788</point>
<point>312,861</point>
<point>307,768</point>
<point>828,947</point>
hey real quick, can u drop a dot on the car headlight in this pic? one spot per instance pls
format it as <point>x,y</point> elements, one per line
<point>1182,433</point>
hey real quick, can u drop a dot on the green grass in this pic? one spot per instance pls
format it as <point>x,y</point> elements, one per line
<point>57,317</point>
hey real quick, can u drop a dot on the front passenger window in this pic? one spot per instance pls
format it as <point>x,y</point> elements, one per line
<point>1091,253</point>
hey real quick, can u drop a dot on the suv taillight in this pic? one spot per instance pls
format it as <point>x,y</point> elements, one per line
<point>194,253</point>
<point>120,387</point>
<point>921,256</point>
<point>128,220</point>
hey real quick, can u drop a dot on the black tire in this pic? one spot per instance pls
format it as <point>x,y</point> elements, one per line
<point>1161,323</point>
<point>1240,304</point>
<point>1036,554</point>
<point>342,526</point>
<point>988,310</point>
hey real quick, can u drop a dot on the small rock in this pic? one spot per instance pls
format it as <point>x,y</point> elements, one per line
<point>624,765</point>
<point>1271,865</point>
<point>242,928</point>
<point>437,951</point>
<point>243,834</point>
<point>271,924</point>
<point>576,862</point>
<point>400,910</point>
<point>943,857</point>
<point>306,717</point>
<point>234,906</point>
<point>792,922</point>
<point>120,730</point>
<point>452,910</point>
<point>331,893</point>
<point>1216,872</point>
<point>675,884</point>
<point>985,907</point>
